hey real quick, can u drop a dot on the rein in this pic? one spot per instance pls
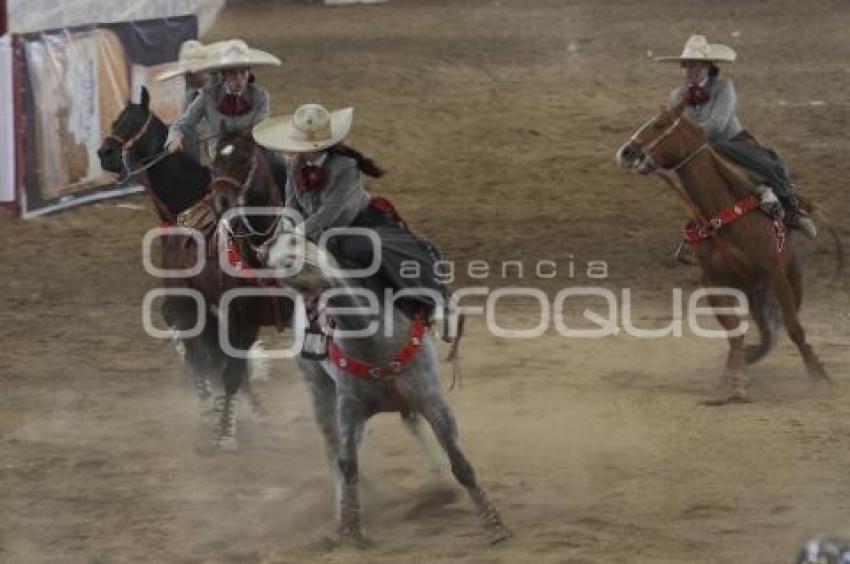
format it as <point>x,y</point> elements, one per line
<point>235,184</point>
<point>128,144</point>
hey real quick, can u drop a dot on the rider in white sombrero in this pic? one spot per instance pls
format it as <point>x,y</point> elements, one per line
<point>323,185</point>
<point>192,55</point>
<point>711,101</point>
<point>232,105</point>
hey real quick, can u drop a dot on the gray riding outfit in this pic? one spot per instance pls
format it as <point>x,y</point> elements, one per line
<point>720,120</point>
<point>343,202</point>
<point>205,105</point>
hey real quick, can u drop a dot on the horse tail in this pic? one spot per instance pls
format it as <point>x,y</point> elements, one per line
<point>824,219</point>
<point>364,164</point>
<point>768,317</point>
<point>454,353</point>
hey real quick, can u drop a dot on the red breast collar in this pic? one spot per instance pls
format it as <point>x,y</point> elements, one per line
<point>369,371</point>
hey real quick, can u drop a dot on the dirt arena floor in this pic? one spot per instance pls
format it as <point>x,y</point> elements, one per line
<point>498,121</point>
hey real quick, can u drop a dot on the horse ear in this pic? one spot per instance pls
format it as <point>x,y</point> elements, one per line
<point>146,98</point>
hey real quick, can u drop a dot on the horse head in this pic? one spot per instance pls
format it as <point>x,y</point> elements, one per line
<point>301,263</point>
<point>131,136</point>
<point>243,181</point>
<point>666,141</point>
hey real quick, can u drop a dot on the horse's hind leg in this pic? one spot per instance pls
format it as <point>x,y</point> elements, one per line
<point>258,410</point>
<point>442,420</point>
<point>414,428</point>
<point>789,299</point>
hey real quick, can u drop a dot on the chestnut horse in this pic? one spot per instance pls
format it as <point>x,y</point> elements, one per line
<point>737,245</point>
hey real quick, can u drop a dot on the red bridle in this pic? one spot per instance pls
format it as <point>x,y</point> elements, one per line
<point>653,144</point>
<point>126,145</point>
<point>233,183</point>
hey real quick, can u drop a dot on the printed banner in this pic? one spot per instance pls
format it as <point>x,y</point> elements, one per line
<point>7,123</point>
<point>78,81</point>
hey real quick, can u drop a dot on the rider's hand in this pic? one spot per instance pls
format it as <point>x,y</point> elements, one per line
<point>771,205</point>
<point>175,146</point>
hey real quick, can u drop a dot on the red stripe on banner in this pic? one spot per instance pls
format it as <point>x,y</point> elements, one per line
<point>4,18</point>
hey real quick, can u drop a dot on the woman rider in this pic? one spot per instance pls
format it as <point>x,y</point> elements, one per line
<point>323,185</point>
<point>192,55</point>
<point>711,102</point>
<point>232,105</point>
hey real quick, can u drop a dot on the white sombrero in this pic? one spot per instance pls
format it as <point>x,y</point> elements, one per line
<point>311,128</point>
<point>699,49</point>
<point>192,54</point>
<point>234,54</point>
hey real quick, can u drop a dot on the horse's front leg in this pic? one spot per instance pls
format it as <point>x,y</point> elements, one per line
<point>442,420</point>
<point>734,377</point>
<point>352,420</point>
<point>323,393</point>
<point>242,336</point>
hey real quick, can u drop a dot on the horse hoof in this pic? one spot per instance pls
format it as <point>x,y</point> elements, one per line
<point>499,535</point>
<point>734,398</point>
<point>355,539</point>
<point>226,444</point>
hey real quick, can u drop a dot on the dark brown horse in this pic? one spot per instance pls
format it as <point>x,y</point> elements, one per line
<point>179,188</point>
<point>737,245</point>
<point>231,260</point>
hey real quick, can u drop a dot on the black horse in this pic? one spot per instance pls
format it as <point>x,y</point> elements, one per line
<point>178,183</point>
<point>175,181</point>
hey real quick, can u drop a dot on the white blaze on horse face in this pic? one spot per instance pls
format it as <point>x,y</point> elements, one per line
<point>227,150</point>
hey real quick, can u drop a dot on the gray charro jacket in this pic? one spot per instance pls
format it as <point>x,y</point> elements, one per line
<point>337,205</point>
<point>719,117</point>
<point>205,105</point>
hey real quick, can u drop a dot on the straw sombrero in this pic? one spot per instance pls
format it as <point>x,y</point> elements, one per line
<point>192,54</point>
<point>310,128</point>
<point>699,49</point>
<point>234,54</point>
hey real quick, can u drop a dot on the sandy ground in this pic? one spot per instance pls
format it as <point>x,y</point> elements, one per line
<point>498,122</point>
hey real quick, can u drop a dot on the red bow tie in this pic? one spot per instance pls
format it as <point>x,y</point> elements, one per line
<point>234,105</point>
<point>310,178</point>
<point>697,95</point>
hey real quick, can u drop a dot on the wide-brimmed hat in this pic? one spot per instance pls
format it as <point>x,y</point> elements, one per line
<point>234,53</point>
<point>192,54</point>
<point>699,49</point>
<point>310,128</point>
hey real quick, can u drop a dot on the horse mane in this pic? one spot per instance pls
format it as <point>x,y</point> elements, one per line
<point>364,164</point>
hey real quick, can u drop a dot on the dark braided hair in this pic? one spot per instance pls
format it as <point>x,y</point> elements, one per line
<point>364,164</point>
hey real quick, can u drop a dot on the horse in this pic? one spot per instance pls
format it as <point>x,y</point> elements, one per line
<point>178,185</point>
<point>737,246</point>
<point>397,365</point>
<point>134,148</point>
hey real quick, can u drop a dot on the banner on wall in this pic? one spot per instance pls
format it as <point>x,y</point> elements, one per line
<point>76,82</point>
<point>7,123</point>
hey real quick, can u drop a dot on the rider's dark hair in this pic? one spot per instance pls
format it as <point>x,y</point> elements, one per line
<point>364,164</point>
<point>713,70</point>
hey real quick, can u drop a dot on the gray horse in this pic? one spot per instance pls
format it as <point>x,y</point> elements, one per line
<point>343,402</point>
